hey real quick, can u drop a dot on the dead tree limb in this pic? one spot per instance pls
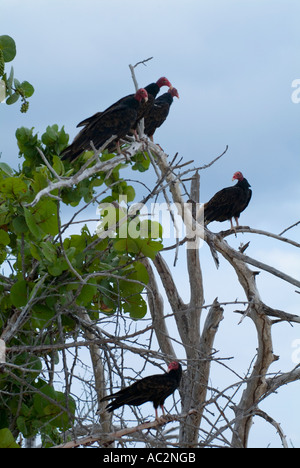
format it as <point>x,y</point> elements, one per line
<point>257,384</point>
<point>109,438</point>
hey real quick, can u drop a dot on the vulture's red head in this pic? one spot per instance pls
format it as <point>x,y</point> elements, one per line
<point>163,82</point>
<point>238,176</point>
<point>174,365</point>
<point>141,94</point>
<point>173,92</point>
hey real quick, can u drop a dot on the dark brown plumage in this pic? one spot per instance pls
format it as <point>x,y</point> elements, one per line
<point>155,388</point>
<point>152,90</point>
<point>159,112</point>
<point>229,202</point>
<point>117,120</point>
<point>145,106</point>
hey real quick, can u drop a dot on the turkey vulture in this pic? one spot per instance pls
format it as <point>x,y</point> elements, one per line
<point>159,112</point>
<point>155,388</point>
<point>116,120</point>
<point>152,91</point>
<point>229,202</point>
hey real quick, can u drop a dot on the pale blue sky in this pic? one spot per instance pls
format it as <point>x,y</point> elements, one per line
<point>233,63</point>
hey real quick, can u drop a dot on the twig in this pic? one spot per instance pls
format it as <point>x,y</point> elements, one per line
<point>243,229</point>
<point>47,164</point>
<point>156,307</point>
<point>73,270</point>
<point>142,62</point>
<point>132,67</point>
<point>214,160</point>
<point>2,352</point>
<point>274,423</point>
<point>166,174</point>
<point>290,227</point>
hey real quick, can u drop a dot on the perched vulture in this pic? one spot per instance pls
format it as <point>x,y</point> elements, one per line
<point>229,202</point>
<point>159,112</point>
<point>152,91</point>
<point>155,388</point>
<point>116,120</point>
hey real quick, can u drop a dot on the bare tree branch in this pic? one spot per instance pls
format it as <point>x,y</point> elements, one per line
<point>196,381</point>
<point>156,306</point>
<point>290,227</point>
<point>275,424</point>
<point>107,439</point>
<point>241,229</point>
<point>100,166</point>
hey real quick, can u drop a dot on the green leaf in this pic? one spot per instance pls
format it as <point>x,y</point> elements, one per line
<point>31,223</point>
<point>58,165</point>
<point>130,193</point>
<point>4,237</point>
<point>55,270</point>
<point>7,439</point>
<point>25,410</point>
<point>13,187</point>
<point>6,168</point>
<point>47,212</point>
<point>76,241</point>
<point>50,135</point>
<point>18,293</point>
<point>3,256</point>
<point>8,46</point>
<point>142,273</point>
<point>49,251</point>
<point>27,88</point>
<point>58,267</point>
<point>40,400</point>
<point>27,143</point>
<point>12,98</point>
<point>21,425</point>
<point>35,252</point>
<point>17,83</point>
<point>126,245</point>
<point>19,225</point>
<point>52,412</point>
<point>141,163</point>
<point>9,81</point>
<point>41,316</point>
<point>148,247</point>
<point>86,295</point>
<point>136,307</point>
<point>64,420</point>
<point>55,139</point>
<point>138,273</point>
<point>152,229</point>
<point>40,182</point>
<point>43,219</point>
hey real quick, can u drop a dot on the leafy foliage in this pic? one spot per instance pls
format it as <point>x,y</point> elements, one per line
<point>53,270</point>
<point>12,88</point>
<point>53,274</point>
<point>7,439</point>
